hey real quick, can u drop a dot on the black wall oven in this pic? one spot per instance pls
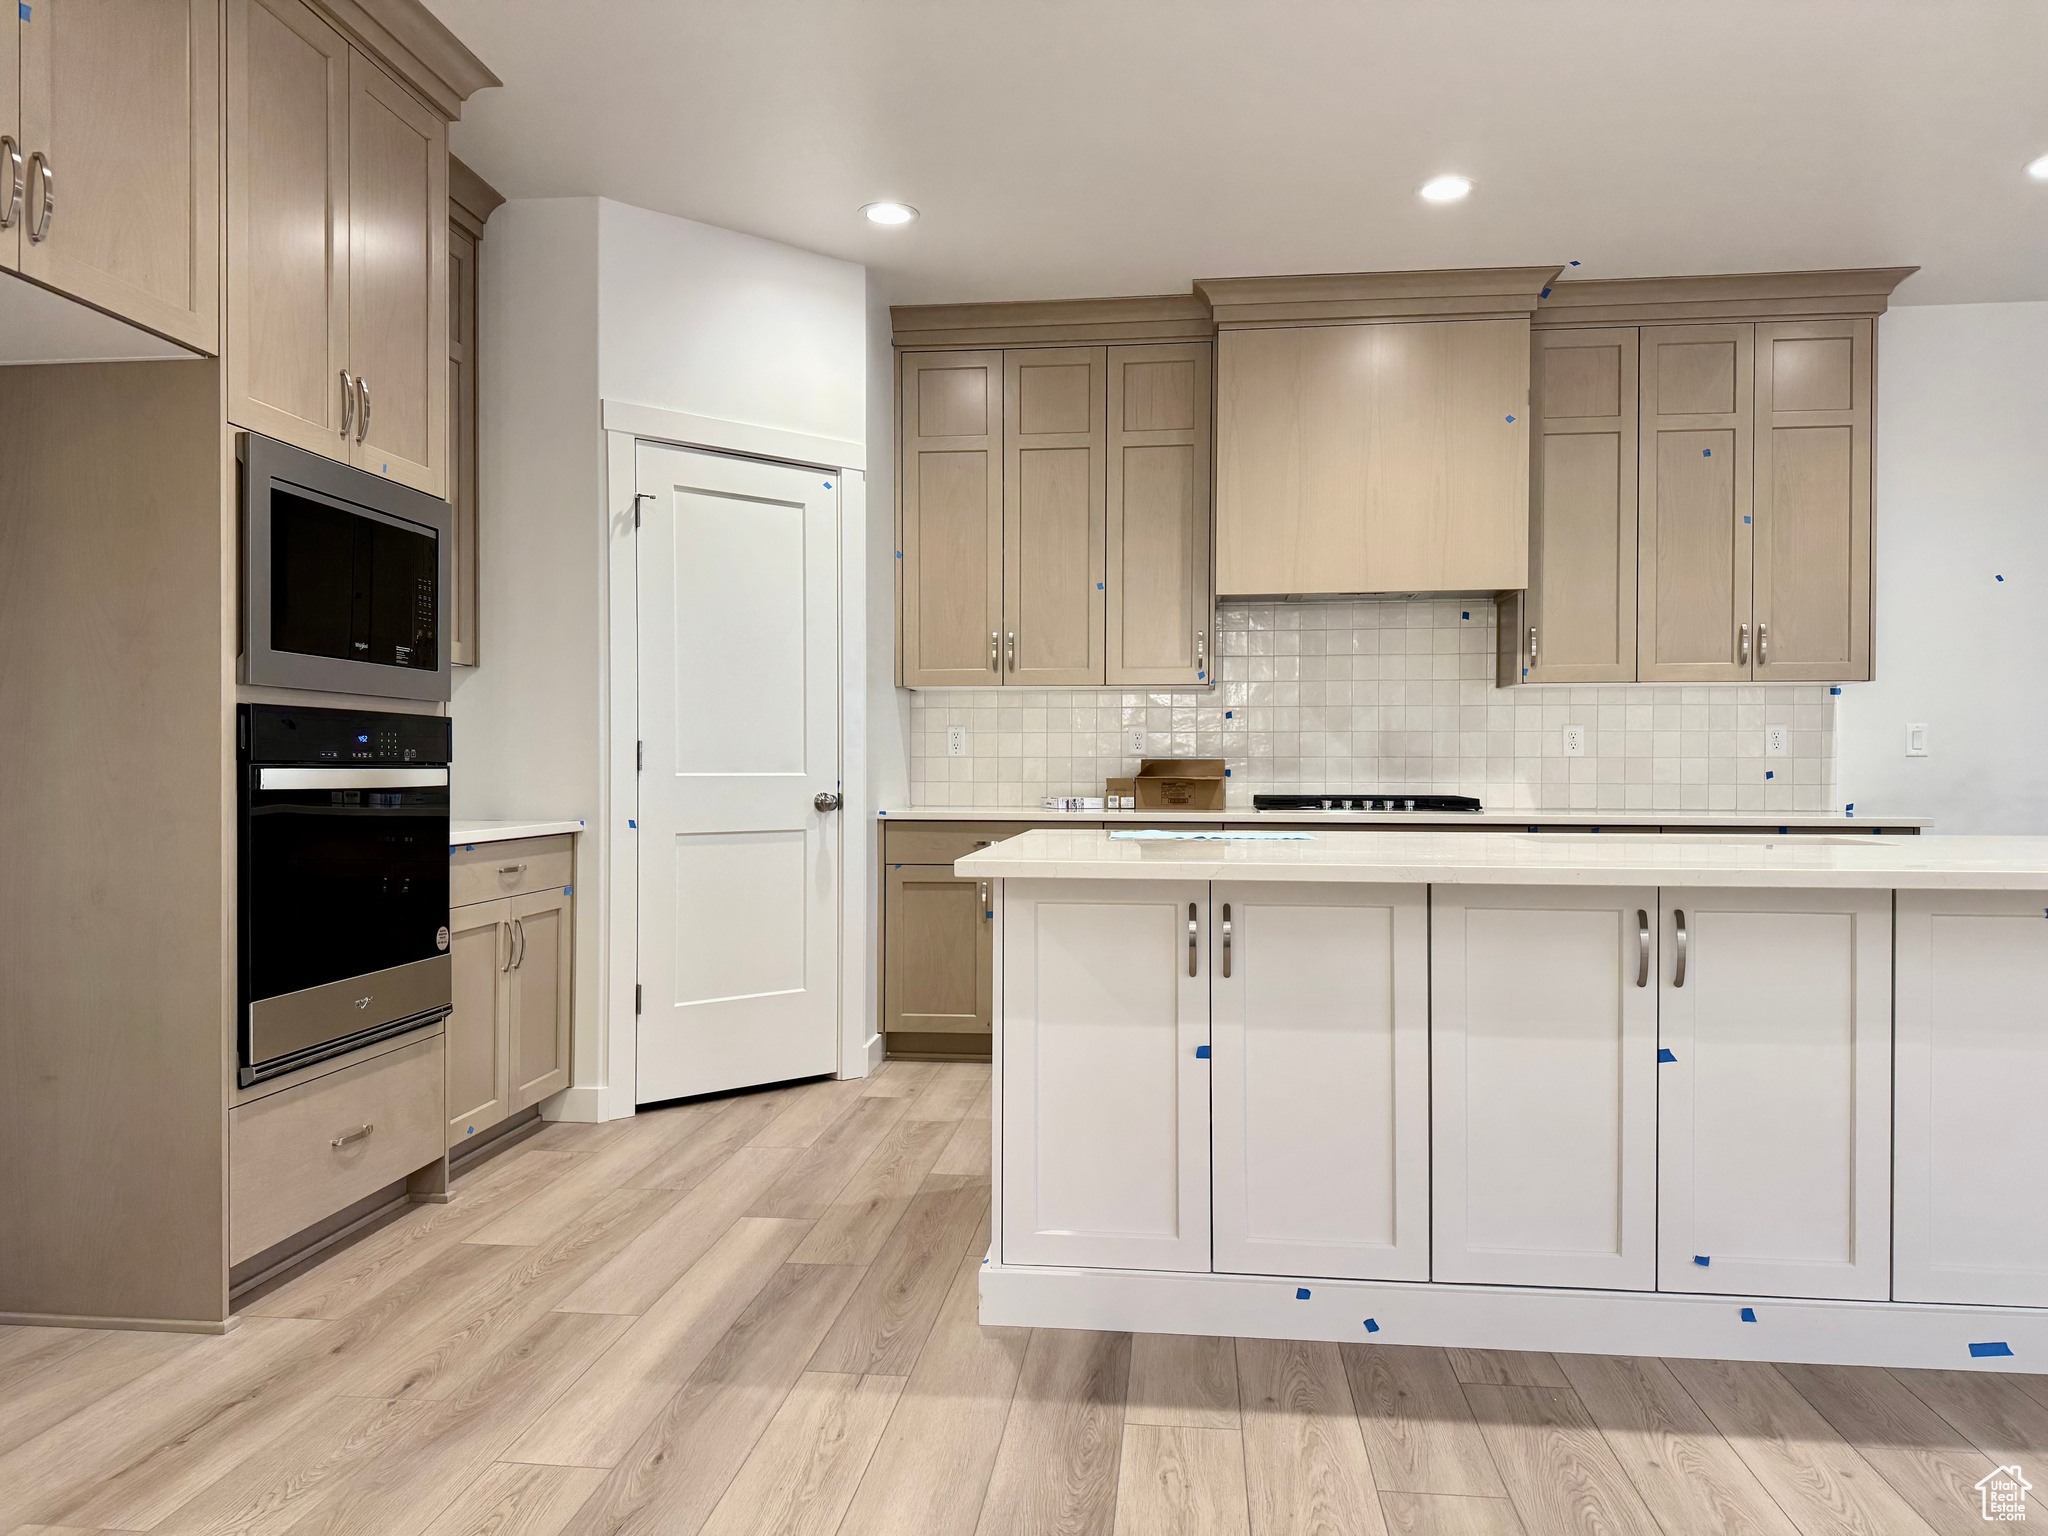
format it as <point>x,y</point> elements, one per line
<point>343,909</point>
<point>343,577</point>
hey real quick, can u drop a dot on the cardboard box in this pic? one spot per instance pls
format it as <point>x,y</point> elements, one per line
<point>1180,784</point>
<point>1120,794</point>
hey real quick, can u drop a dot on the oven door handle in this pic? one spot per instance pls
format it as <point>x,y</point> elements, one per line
<point>351,778</point>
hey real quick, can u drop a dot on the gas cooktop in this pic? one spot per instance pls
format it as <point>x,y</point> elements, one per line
<point>1367,800</point>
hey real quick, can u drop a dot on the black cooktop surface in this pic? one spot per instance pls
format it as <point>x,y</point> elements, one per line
<point>1366,800</point>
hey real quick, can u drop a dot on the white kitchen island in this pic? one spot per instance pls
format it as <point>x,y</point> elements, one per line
<point>1775,1099</point>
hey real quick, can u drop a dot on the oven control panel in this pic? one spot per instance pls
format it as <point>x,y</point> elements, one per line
<point>276,733</point>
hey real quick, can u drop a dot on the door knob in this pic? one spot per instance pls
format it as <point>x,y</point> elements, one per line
<point>825,800</point>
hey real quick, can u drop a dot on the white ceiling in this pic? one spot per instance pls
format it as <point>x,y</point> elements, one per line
<point>1063,148</point>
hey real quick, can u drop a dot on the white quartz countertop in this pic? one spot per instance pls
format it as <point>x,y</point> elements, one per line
<point>463,834</point>
<point>1501,858</point>
<point>1245,814</point>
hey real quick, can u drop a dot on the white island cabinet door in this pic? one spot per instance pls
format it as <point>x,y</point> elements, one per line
<point>1321,1079</point>
<point>1105,1136</point>
<point>1543,1033</point>
<point>1971,1179</point>
<point>1774,1111</point>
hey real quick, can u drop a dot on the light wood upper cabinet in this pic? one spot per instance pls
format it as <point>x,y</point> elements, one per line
<point>1579,623</point>
<point>1812,501</point>
<point>287,321</point>
<point>119,100</point>
<point>950,594</point>
<point>1054,411</point>
<point>1376,457</point>
<point>1158,624</point>
<point>1694,479</point>
<point>398,279</point>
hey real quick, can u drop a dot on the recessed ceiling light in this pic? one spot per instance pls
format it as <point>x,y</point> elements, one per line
<point>2039,169</point>
<point>1445,189</point>
<point>889,213</point>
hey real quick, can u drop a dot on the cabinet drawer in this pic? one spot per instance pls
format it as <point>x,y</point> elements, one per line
<point>284,1170</point>
<point>490,870</point>
<point>941,842</point>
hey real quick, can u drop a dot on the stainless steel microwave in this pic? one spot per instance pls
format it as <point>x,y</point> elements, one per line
<point>344,577</point>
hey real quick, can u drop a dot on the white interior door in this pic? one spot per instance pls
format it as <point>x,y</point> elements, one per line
<point>1543,1037</point>
<point>1775,1109</point>
<point>739,723</point>
<point>1321,1079</point>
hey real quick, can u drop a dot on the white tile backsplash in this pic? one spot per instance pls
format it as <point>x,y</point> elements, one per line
<point>1392,694</point>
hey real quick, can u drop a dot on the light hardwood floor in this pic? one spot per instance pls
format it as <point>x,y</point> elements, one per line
<point>757,1315</point>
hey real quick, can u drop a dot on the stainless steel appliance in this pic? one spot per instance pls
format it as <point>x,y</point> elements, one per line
<point>343,909</point>
<point>1368,800</point>
<point>344,576</point>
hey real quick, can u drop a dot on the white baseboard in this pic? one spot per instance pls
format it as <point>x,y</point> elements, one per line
<point>1899,1334</point>
<point>586,1104</point>
<point>878,1047</point>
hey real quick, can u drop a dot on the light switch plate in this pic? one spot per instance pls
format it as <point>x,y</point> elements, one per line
<point>956,741</point>
<point>1916,740</point>
<point>1777,740</point>
<point>1575,741</point>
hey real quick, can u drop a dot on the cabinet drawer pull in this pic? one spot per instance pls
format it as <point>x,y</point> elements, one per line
<point>1642,947</point>
<point>12,151</point>
<point>360,1133</point>
<point>1226,941</point>
<point>348,403</point>
<point>40,175</point>
<point>1193,929</point>
<point>1678,973</point>
<point>511,869</point>
<point>363,408</point>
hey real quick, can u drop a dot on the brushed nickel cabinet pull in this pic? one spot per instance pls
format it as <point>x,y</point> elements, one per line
<point>1763,643</point>
<point>1201,651</point>
<point>1013,650</point>
<point>1678,974</point>
<point>519,933</point>
<point>995,650</point>
<point>506,929</point>
<point>363,411</point>
<point>511,869</point>
<point>1642,947</point>
<point>1532,647</point>
<point>986,912</point>
<point>1742,648</point>
<point>348,403</point>
<point>1226,941</point>
<point>39,172</point>
<point>360,1133</point>
<point>12,151</point>
<point>1193,930</point>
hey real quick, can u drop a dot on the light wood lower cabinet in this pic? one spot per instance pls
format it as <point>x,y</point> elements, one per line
<point>509,1036</point>
<point>1105,1102</point>
<point>1970,1177</point>
<point>1543,1042</point>
<point>1320,1087</point>
<point>938,970</point>
<point>1774,1111</point>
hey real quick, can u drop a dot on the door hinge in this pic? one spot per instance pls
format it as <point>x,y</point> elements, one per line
<point>639,497</point>
<point>636,998</point>
<point>639,756</point>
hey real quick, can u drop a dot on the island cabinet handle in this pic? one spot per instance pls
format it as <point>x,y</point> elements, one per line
<point>1226,941</point>
<point>360,1133</point>
<point>1642,947</point>
<point>1193,929</point>
<point>987,912</point>
<point>1678,974</point>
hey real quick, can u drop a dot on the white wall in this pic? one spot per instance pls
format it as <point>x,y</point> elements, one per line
<point>1961,500</point>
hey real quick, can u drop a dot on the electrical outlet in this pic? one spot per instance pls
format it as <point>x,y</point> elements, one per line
<point>1916,740</point>
<point>1575,741</point>
<point>956,741</point>
<point>1777,741</point>
<point>1137,743</point>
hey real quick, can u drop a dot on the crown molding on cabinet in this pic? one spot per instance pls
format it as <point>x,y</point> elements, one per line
<point>411,40</point>
<point>1473,293</point>
<point>1848,294</point>
<point>1052,322</point>
<point>471,199</point>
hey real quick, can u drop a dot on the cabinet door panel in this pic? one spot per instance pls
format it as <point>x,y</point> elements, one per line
<point>939,940</point>
<point>1775,1115</point>
<point>950,592</point>
<point>122,97</point>
<point>1160,596</point>
<point>1543,1086</point>
<point>287,321</point>
<point>1971,1173</point>
<point>1697,389</point>
<point>1321,1080</point>
<point>1813,411</point>
<point>1054,405</point>
<point>10,126</point>
<point>398,278</point>
<point>541,997</point>
<point>479,1067</point>
<point>1101,1021</point>
<point>1582,556</point>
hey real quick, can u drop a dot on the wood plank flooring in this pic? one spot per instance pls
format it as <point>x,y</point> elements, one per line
<point>757,1317</point>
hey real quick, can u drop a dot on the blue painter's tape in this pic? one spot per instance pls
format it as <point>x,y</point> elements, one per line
<point>1769,774</point>
<point>631,823</point>
<point>828,485</point>
<point>1371,1326</point>
<point>1511,418</point>
<point>2001,578</point>
<point>1784,831</point>
<point>1465,615</point>
<point>1226,773</point>
<point>1574,263</point>
<point>1301,1294</point>
<point>24,11</point>
<point>1836,691</point>
<point>469,847</point>
<point>1745,517</point>
<point>899,554</point>
<point>1664,1054</point>
<point>1749,1314</point>
<point>1544,294</point>
<point>1706,453</point>
<point>1985,1351</point>
<point>1201,1053</point>
<point>1098,586</point>
<point>1227,714</point>
<point>568,890</point>
<point>1702,1260</point>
